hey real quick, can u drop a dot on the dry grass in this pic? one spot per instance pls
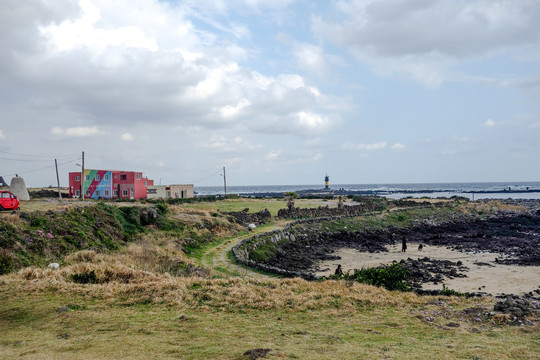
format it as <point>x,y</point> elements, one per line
<point>491,206</point>
<point>119,283</point>
<point>142,315</point>
<point>13,219</point>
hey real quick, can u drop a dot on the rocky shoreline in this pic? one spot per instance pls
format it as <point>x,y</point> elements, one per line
<point>513,236</point>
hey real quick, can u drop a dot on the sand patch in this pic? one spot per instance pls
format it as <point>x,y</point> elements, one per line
<point>484,273</point>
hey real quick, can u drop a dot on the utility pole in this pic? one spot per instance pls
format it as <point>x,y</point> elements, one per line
<point>82,177</point>
<point>224,181</point>
<point>58,179</point>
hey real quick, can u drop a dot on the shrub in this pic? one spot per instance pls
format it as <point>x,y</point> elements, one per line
<point>392,277</point>
<point>85,277</point>
<point>6,261</point>
<point>161,208</point>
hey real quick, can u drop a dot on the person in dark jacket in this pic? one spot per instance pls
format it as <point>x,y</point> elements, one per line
<point>404,244</point>
<point>339,271</point>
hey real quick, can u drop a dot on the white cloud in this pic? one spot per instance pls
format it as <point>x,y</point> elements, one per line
<point>126,137</point>
<point>489,123</point>
<point>372,147</point>
<point>230,111</point>
<point>312,120</point>
<point>223,144</point>
<point>76,131</point>
<point>310,57</point>
<point>2,136</point>
<point>273,155</point>
<point>424,40</point>
<point>398,147</point>
<point>363,147</point>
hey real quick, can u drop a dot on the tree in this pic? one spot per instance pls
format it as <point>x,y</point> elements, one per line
<point>290,196</point>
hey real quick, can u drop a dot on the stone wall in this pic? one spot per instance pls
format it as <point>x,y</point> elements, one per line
<point>242,250</point>
<point>325,211</point>
<point>244,218</point>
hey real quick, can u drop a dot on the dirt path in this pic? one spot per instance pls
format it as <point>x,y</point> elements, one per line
<point>218,256</point>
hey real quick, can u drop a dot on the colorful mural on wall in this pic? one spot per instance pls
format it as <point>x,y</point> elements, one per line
<point>98,184</point>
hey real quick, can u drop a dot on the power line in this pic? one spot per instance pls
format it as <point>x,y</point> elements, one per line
<point>25,160</point>
<point>46,167</point>
<point>49,156</point>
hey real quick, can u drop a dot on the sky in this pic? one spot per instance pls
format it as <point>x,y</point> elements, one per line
<point>279,92</point>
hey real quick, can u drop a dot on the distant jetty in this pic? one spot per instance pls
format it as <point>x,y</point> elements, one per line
<point>345,192</point>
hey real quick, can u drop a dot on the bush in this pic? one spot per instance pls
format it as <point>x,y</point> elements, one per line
<point>6,261</point>
<point>392,277</point>
<point>161,208</point>
<point>85,278</point>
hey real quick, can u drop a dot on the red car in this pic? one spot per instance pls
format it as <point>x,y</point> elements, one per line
<point>8,201</point>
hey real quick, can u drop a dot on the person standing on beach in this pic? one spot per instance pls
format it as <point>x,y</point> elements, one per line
<point>339,271</point>
<point>404,244</point>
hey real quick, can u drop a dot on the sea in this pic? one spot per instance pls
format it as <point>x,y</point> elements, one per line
<point>473,191</point>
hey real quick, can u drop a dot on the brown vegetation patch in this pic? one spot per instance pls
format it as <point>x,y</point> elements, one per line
<point>121,284</point>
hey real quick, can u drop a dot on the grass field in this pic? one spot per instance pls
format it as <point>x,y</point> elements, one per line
<point>135,307</point>
<point>396,328</point>
<point>254,205</point>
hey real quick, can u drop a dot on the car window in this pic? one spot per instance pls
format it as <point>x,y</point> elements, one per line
<point>6,195</point>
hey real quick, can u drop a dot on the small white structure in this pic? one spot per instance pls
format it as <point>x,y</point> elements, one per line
<point>18,188</point>
<point>53,266</point>
<point>169,191</point>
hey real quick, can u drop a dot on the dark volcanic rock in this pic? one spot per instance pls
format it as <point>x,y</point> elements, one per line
<point>430,270</point>
<point>514,306</point>
<point>244,218</point>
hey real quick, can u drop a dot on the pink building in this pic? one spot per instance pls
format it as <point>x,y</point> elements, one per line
<point>109,184</point>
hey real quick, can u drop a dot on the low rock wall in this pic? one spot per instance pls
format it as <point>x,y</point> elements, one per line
<point>242,250</point>
<point>325,211</point>
<point>245,218</point>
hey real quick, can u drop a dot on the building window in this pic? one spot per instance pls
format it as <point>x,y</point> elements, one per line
<point>87,177</point>
<point>77,193</point>
<point>77,178</point>
<point>115,192</point>
<point>138,176</point>
<point>106,177</point>
<point>96,193</point>
<point>87,193</point>
<point>124,192</point>
<point>123,177</point>
<point>151,191</point>
<point>97,177</point>
<point>146,183</point>
<point>106,193</point>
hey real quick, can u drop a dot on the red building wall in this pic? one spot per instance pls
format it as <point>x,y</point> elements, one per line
<point>125,184</point>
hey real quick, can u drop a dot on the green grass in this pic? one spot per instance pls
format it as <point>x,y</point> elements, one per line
<point>255,205</point>
<point>389,219</point>
<point>31,328</point>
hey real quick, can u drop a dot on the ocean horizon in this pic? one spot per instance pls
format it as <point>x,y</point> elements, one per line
<point>481,190</point>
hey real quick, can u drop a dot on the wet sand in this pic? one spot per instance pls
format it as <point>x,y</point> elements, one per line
<point>495,279</point>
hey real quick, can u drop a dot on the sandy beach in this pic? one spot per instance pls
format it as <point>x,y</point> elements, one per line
<point>484,274</point>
